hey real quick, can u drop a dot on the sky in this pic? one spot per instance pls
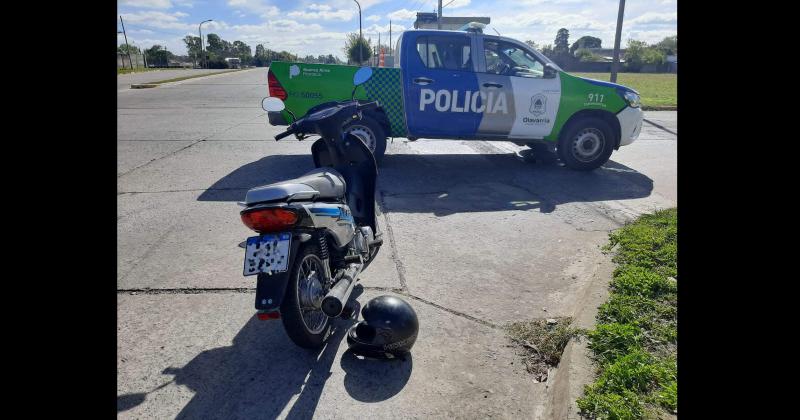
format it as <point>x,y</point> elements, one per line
<point>317,27</point>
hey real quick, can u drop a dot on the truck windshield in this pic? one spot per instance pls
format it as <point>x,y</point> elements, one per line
<point>508,59</point>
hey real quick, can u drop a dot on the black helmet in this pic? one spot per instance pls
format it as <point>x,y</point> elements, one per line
<point>388,329</point>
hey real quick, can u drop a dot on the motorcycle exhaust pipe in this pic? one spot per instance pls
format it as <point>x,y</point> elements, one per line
<point>334,301</point>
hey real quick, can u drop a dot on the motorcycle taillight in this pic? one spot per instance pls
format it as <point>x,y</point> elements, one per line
<point>269,219</point>
<point>275,88</point>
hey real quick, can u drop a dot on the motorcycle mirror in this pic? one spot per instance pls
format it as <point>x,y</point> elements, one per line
<point>362,75</point>
<point>272,104</point>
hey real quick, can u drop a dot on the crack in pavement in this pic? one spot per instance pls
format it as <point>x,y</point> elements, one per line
<point>186,290</point>
<point>186,147</point>
<point>660,126</point>
<point>149,251</point>
<point>401,271</point>
<point>219,290</point>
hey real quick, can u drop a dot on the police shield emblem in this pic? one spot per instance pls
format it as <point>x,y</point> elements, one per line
<point>538,104</point>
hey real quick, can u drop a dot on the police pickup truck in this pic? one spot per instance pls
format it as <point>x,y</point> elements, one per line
<point>472,86</point>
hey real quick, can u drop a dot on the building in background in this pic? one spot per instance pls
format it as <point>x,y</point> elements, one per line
<point>427,20</point>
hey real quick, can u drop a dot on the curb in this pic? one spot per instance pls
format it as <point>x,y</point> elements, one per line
<point>164,82</point>
<point>576,368</point>
<point>659,108</point>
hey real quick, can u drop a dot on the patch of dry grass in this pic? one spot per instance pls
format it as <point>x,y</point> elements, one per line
<point>543,341</point>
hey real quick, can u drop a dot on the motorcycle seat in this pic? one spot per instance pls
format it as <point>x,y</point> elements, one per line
<point>318,184</point>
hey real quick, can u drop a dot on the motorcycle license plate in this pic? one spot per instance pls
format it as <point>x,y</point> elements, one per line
<point>267,253</point>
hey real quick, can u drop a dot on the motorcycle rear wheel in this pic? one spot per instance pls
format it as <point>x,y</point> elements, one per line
<point>305,323</point>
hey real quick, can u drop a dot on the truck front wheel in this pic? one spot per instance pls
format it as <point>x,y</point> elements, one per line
<point>587,144</point>
<point>371,133</point>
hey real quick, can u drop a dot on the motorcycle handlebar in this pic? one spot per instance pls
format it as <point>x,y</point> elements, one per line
<point>368,105</point>
<point>285,133</point>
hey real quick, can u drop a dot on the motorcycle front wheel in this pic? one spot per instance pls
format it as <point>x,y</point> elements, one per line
<point>305,323</point>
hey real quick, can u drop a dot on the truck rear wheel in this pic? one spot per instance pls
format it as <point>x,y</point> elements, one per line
<point>586,144</point>
<point>371,133</point>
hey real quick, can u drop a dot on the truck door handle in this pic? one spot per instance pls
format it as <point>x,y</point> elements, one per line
<point>423,80</point>
<point>491,84</point>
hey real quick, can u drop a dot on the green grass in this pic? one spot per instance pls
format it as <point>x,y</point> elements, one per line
<point>656,90</point>
<point>635,340</point>
<point>142,70</point>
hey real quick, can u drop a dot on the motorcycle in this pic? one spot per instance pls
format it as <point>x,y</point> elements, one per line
<point>318,232</point>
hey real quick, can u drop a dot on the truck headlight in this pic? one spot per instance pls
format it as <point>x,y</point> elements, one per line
<point>631,98</point>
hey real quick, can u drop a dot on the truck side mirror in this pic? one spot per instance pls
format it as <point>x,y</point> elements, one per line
<point>549,71</point>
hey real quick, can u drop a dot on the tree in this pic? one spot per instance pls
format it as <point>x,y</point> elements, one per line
<point>585,42</point>
<point>583,54</point>
<point>242,51</point>
<point>531,44</point>
<point>669,45</point>
<point>214,44</point>
<point>193,47</point>
<point>123,49</point>
<point>158,56</point>
<point>547,50</point>
<point>639,53</point>
<point>562,42</point>
<point>357,48</point>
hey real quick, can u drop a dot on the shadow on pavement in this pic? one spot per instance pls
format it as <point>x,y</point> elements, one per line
<point>456,183</point>
<point>262,371</point>
<point>371,380</point>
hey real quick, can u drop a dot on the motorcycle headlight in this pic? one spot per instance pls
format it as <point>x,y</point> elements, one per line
<point>631,98</point>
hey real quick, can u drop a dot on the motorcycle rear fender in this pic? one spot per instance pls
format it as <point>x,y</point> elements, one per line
<point>359,176</point>
<point>271,288</point>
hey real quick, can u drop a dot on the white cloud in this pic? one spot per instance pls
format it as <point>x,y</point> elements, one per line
<point>372,18</point>
<point>254,6</point>
<point>160,20</point>
<point>148,4</point>
<point>652,18</point>
<point>402,14</point>
<point>324,12</point>
<point>374,29</point>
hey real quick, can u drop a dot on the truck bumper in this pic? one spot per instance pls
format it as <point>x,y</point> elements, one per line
<point>630,124</point>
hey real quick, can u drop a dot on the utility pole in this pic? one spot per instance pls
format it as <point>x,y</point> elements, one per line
<point>360,37</point>
<point>439,17</point>
<point>126,41</point>
<point>615,62</point>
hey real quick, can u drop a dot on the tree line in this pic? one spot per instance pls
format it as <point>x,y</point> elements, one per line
<point>217,50</point>
<point>637,53</point>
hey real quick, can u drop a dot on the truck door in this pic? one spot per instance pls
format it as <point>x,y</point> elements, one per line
<point>438,80</point>
<point>521,103</point>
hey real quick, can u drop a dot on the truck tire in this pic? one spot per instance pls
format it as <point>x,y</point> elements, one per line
<point>586,144</point>
<point>371,133</point>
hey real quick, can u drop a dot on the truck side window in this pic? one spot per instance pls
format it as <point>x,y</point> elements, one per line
<point>507,59</point>
<point>445,52</point>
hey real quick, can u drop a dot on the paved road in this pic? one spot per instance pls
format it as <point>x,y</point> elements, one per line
<point>124,81</point>
<point>475,233</point>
